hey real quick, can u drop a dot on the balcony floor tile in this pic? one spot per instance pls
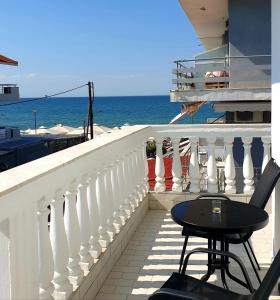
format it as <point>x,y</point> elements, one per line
<point>153,254</point>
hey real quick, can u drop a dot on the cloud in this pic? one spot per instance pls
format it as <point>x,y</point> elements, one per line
<point>18,76</point>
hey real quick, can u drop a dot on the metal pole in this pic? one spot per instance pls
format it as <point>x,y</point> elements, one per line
<point>90,112</point>
<point>35,121</point>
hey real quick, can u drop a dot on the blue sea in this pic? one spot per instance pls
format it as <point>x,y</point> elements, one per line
<point>108,111</point>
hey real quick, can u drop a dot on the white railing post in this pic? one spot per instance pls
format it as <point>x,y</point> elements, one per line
<point>114,197</point>
<point>94,218</point>
<point>266,140</point>
<point>104,238</point>
<point>138,169</point>
<point>144,161</point>
<point>83,217</point>
<point>63,288</point>
<point>212,166</point>
<point>46,264</point>
<point>109,203</point>
<point>159,169</point>
<point>194,166</point>
<point>123,191</point>
<point>128,181</point>
<point>134,177</point>
<point>73,234</point>
<point>176,167</point>
<point>229,167</point>
<point>248,169</point>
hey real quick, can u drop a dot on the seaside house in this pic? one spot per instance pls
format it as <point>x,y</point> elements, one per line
<point>82,224</point>
<point>8,91</point>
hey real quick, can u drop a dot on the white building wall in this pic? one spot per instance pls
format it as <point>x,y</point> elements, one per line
<point>275,114</point>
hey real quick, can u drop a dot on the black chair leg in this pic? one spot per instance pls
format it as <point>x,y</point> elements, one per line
<point>183,253</point>
<point>251,261</point>
<point>254,256</point>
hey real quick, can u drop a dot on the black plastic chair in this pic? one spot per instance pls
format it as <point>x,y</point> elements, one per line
<point>181,286</point>
<point>259,198</point>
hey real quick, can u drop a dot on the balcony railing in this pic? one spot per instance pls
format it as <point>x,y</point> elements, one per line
<point>59,212</point>
<point>229,72</point>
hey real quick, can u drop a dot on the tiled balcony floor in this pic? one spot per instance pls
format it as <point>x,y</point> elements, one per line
<point>153,254</point>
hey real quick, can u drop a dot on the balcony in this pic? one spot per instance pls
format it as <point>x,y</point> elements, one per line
<point>229,78</point>
<point>75,221</point>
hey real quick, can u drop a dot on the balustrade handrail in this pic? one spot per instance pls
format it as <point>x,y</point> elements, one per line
<point>221,58</point>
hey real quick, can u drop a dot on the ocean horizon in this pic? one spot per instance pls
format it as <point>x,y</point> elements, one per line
<point>108,111</point>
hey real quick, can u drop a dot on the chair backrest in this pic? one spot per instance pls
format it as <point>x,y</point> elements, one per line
<point>269,281</point>
<point>266,184</point>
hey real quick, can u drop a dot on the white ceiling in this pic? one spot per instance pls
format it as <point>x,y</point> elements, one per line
<point>208,18</point>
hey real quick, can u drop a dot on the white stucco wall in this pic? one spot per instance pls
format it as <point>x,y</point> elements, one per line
<point>275,113</point>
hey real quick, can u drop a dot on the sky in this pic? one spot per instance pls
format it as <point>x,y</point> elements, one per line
<point>125,47</point>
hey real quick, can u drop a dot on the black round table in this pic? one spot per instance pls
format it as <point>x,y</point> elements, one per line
<point>235,218</point>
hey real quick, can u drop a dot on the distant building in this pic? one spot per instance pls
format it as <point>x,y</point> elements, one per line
<point>8,91</point>
<point>234,71</point>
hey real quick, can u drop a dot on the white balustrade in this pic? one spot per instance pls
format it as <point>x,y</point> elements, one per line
<point>83,217</point>
<point>266,150</point>
<point>176,167</point>
<point>59,244</point>
<point>194,167</point>
<point>46,264</point>
<point>248,169</point>
<point>73,234</point>
<point>159,170</point>
<point>95,248</point>
<point>229,167</point>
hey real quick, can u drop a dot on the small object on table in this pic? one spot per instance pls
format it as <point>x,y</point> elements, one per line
<point>216,206</point>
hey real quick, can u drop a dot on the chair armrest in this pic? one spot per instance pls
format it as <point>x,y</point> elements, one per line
<point>178,294</point>
<point>221,253</point>
<point>213,196</point>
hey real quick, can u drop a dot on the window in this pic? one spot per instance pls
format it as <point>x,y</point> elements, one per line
<point>244,115</point>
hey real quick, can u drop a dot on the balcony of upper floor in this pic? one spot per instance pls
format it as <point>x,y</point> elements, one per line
<point>65,219</point>
<point>222,78</point>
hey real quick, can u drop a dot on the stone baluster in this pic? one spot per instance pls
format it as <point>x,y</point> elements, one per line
<point>134,173</point>
<point>104,238</point>
<point>83,217</point>
<point>114,197</point>
<point>266,151</point>
<point>109,203</point>
<point>123,189</point>
<point>211,166</point>
<point>94,218</point>
<point>229,167</point>
<point>194,167</point>
<point>140,177</point>
<point>62,286</point>
<point>159,169</point>
<point>117,191</point>
<point>146,169</point>
<point>176,167</point>
<point>248,169</point>
<point>128,179</point>
<point>46,264</point>
<point>73,234</point>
